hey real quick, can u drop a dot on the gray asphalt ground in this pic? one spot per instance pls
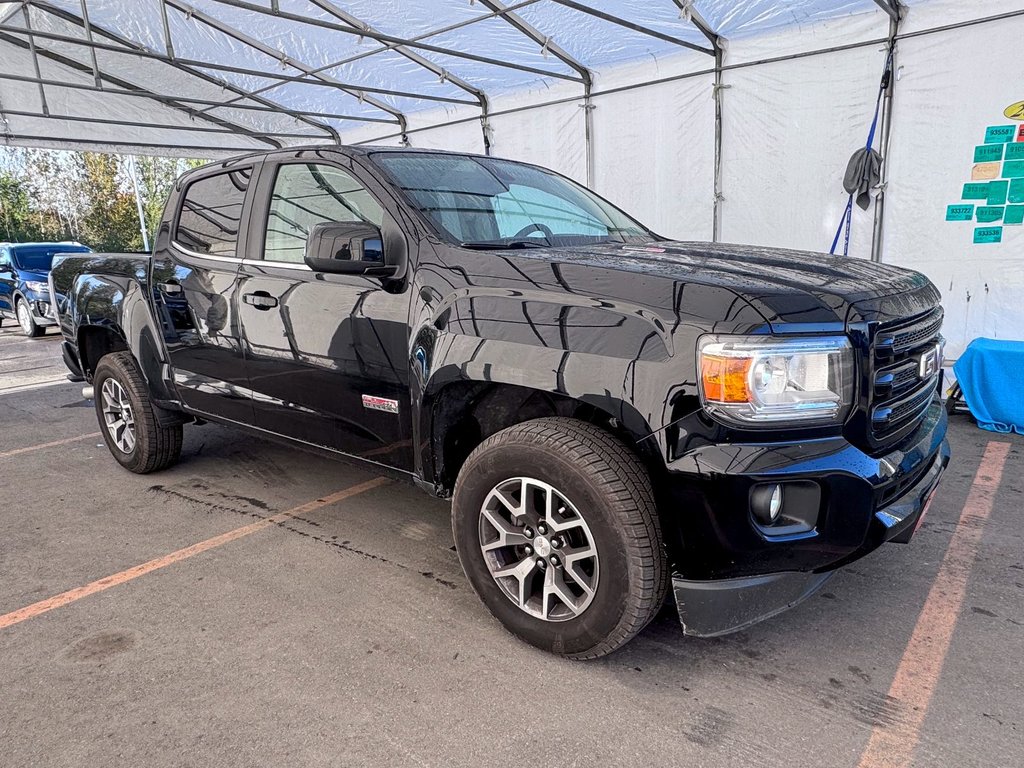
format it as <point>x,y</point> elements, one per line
<point>349,636</point>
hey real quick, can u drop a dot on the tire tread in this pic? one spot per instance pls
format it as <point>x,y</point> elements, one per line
<point>157,447</point>
<point>618,475</point>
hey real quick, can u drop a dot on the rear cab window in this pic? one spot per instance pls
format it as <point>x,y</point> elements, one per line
<point>210,214</point>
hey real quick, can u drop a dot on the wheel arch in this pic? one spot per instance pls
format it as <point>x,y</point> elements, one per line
<point>460,415</point>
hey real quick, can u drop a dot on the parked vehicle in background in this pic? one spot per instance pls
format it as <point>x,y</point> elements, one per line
<point>613,414</point>
<point>24,292</point>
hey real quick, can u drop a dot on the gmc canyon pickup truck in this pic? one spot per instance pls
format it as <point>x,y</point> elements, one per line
<point>613,414</point>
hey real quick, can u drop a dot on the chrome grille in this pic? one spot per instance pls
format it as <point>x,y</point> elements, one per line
<point>899,396</point>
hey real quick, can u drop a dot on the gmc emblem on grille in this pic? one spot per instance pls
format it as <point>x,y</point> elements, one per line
<point>928,362</point>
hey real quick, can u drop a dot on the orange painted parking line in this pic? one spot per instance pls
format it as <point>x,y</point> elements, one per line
<point>54,444</point>
<point>892,746</point>
<point>101,585</point>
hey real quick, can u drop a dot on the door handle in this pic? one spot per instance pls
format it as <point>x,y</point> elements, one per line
<point>173,288</point>
<point>260,300</point>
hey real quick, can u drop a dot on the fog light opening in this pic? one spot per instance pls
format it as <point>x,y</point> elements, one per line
<point>766,502</point>
<point>780,511</point>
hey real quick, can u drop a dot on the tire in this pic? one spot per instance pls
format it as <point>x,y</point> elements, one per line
<point>153,447</point>
<point>596,479</point>
<point>26,321</point>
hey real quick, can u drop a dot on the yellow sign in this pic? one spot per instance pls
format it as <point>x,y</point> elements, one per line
<point>1015,111</point>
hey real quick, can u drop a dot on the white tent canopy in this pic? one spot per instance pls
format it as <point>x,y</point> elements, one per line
<point>709,119</point>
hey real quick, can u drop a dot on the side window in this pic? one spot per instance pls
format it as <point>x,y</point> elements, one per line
<point>5,258</point>
<point>521,208</point>
<point>211,211</point>
<point>307,194</point>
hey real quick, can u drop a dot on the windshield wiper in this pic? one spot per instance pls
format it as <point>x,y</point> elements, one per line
<point>503,245</point>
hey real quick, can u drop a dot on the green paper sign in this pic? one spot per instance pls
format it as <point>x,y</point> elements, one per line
<point>997,192</point>
<point>1016,191</point>
<point>999,134</point>
<point>1014,151</point>
<point>989,213</point>
<point>988,234</point>
<point>977,190</point>
<point>988,153</point>
<point>1014,215</point>
<point>1013,169</point>
<point>960,212</point>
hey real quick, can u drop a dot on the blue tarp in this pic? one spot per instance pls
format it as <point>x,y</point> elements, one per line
<point>991,374</point>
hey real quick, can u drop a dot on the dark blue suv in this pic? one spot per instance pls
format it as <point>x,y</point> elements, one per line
<point>24,292</point>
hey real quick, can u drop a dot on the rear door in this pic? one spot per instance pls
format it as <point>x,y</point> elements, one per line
<point>195,273</point>
<point>327,354</point>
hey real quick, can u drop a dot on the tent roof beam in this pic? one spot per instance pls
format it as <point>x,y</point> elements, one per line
<point>155,126</point>
<point>180,102</point>
<point>632,25</point>
<point>381,37</point>
<point>540,39</point>
<point>130,88</point>
<point>402,50</point>
<point>686,7</point>
<point>290,61</point>
<point>156,56</point>
<point>62,14</point>
<point>891,7</point>
<point>7,138</point>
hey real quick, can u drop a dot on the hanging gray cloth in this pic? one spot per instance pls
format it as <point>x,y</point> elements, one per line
<point>862,175</point>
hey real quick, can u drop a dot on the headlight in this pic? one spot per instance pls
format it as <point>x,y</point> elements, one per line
<point>37,285</point>
<point>763,381</point>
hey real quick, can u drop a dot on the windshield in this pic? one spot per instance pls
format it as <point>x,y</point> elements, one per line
<point>38,258</point>
<point>480,201</point>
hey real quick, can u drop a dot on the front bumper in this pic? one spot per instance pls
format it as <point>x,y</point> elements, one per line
<point>728,574</point>
<point>42,311</point>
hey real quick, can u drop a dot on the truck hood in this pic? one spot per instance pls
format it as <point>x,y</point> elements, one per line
<point>791,290</point>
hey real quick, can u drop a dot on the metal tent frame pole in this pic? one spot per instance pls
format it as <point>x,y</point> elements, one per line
<point>381,37</point>
<point>425,63</point>
<point>285,59</point>
<point>549,45</point>
<point>129,44</point>
<point>886,135</point>
<point>129,89</point>
<point>155,56</point>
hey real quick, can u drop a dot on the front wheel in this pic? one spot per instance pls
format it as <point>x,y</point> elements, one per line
<point>128,420</point>
<point>26,321</point>
<point>556,528</point>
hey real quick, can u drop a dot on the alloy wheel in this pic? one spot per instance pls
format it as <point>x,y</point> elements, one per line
<point>118,415</point>
<point>539,549</point>
<point>24,318</point>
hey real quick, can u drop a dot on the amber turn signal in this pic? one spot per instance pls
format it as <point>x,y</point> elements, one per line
<point>725,378</point>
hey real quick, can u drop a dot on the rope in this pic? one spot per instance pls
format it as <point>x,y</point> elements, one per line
<point>847,219</point>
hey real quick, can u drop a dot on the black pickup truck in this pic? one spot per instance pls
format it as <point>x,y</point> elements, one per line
<point>614,414</point>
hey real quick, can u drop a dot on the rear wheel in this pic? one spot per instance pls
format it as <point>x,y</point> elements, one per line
<point>128,420</point>
<point>556,528</point>
<point>25,319</point>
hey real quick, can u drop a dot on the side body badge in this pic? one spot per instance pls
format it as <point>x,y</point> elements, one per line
<point>375,403</point>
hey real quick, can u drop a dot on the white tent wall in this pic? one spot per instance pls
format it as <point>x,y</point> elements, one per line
<point>944,101</point>
<point>654,151</point>
<point>789,128</point>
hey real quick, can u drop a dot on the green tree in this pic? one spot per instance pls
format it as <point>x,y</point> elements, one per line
<point>111,221</point>
<point>19,221</point>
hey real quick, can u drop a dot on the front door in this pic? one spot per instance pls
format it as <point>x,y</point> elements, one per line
<point>327,354</point>
<point>195,272</point>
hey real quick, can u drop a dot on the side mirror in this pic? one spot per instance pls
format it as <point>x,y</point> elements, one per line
<point>347,248</point>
